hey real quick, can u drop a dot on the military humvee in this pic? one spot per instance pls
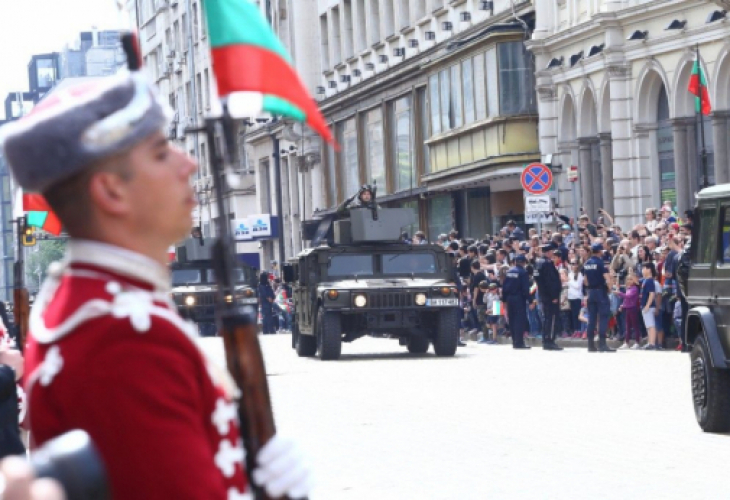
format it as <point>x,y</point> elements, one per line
<point>194,286</point>
<point>365,282</point>
<point>704,277</point>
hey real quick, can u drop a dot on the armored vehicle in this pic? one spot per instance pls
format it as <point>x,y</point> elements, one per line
<point>194,286</point>
<point>363,281</point>
<point>704,277</point>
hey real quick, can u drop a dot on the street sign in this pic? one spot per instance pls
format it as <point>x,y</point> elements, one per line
<point>538,218</point>
<point>572,173</point>
<point>538,204</point>
<point>537,178</point>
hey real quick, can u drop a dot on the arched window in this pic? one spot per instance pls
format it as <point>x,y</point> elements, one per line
<point>665,147</point>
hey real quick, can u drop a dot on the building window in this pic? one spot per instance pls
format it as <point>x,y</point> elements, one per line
<point>199,91</point>
<point>203,160</point>
<point>665,149</point>
<point>433,87</point>
<point>480,88</point>
<point>188,100</point>
<point>374,20</point>
<point>195,23</point>
<point>422,97</point>
<point>336,36</point>
<point>184,32</point>
<point>516,80</point>
<point>324,36</point>
<point>447,114</point>
<point>492,95</point>
<point>176,34</point>
<point>349,176</point>
<point>468,81</point>
<point>439,216</point>
<point>375,149</point>
<point>207,89</point>
<point>402,133</point>
<point>458,117</point>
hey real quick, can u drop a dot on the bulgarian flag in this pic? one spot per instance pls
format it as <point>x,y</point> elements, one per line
<point>40,213</point>
<point>698,86</point>
<point>249,59</point>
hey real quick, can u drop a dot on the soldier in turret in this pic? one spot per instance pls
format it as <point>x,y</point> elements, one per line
<point>365,199</point>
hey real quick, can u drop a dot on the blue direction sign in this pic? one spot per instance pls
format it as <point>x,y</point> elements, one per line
<point>537,178</point>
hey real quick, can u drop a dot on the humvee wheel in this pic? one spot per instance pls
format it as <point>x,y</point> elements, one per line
<point>306,345</point>
<point>329,335</point>
<point>710,390</point>
<point>418,344</point>
<point>446,338</point>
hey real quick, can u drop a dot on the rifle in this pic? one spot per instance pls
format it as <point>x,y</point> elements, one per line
<point>21,297</point>
<point>236,324</point>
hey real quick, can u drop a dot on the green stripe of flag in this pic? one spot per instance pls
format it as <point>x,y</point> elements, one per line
<point>255,31</point>
<point>277,106</point>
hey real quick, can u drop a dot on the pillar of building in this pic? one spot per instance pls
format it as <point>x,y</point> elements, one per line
<point>607,172</point>
<point>585,170</point>
<point>720,139</point>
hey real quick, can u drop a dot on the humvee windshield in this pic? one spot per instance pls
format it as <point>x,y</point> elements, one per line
<point>240,276</point>
<point>350,265</point>
<point>186,276</point>
<point>408,263</point>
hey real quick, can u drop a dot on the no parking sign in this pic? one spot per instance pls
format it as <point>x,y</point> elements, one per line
<point>537,178</point>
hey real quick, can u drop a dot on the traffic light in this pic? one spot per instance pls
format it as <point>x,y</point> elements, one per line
<point>28,235</point>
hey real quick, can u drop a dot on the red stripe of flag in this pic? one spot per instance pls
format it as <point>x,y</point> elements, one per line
<point>241,68</point>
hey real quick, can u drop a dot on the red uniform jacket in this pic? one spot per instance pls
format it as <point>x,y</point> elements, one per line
<point>109,354</point>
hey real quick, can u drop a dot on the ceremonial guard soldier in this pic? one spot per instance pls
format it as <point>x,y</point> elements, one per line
<point>516,293</point>
<point>549,287</point>
<point>107,351</point>
<point>597,280</point>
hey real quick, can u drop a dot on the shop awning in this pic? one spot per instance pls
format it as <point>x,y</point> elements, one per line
<point>481,177</point>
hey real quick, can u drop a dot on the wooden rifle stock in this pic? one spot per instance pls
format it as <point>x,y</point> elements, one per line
<point>21,314</point>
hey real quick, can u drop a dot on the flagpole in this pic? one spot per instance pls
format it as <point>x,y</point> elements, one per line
<point>703,151</point>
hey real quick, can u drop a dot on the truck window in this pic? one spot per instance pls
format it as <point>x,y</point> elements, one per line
<point>186,277</point>
<point>706,236</point>
<point>350,265</point>
<point>239,276</point>
<point>408,263</point>
<point>724,255</point>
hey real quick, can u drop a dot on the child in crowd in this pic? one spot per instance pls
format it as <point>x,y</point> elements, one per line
<point>630,308</point>
<point>648,304</point>
<point>533,314</point>
<point>583,316</point>
<point>494,311</point>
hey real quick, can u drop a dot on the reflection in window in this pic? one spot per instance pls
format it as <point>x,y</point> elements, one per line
<point>706,241</point>
<point>433,87</point>
<point>446,114</point>
<point>408,263</point>
<point>458,117</point>
<point>350,178</point>
<point>375,145</point>
<point>468,80</point>
<point>724,257</point>
<point>181,277</point>
<point>45,72</point>
<point>516,88</point>
<point>350,265</point>
<point>480,87</point>
<point>402,144</point>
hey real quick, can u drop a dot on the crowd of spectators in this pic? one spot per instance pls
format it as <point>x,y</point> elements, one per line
<point>642,261</point>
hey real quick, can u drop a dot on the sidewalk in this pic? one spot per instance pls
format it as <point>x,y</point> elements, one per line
<point>671,343</point>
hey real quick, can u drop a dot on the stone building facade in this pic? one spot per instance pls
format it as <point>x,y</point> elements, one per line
<point>612,79</point>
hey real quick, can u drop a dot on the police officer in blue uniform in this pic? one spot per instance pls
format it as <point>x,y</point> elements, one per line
<point>597,280</point>
<point>516,293</point>
<point>549,287</point>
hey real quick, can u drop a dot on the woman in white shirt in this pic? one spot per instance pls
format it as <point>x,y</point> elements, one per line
<point>651,220</point>
<point>575,292</point>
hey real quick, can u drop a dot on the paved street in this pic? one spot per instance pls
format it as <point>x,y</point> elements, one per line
<point>495,423</point>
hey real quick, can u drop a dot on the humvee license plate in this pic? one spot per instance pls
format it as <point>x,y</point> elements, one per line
<point>443,302</point>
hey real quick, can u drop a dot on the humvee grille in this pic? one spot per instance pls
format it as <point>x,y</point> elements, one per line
<point>384,300</point>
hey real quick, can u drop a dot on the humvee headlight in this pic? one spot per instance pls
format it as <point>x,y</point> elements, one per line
<point>190,301</point>
<point>333,294</point>
<point>420,299</point>
<point>445,291</point>
<point>248,293</point>
<point>361,300</point>
<point>229,299</point>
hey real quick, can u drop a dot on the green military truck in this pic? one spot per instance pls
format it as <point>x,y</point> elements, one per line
<point>363,281</point>
<point>194,287</point>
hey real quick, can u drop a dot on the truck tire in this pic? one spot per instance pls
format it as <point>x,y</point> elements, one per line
<point>329,335</point>
<point>306,345</point>
<point>710,390</point>
<point>418,344</point>
<point>446,338</point>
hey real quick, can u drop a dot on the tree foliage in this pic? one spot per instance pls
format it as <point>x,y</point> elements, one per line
<point>37,262</point>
